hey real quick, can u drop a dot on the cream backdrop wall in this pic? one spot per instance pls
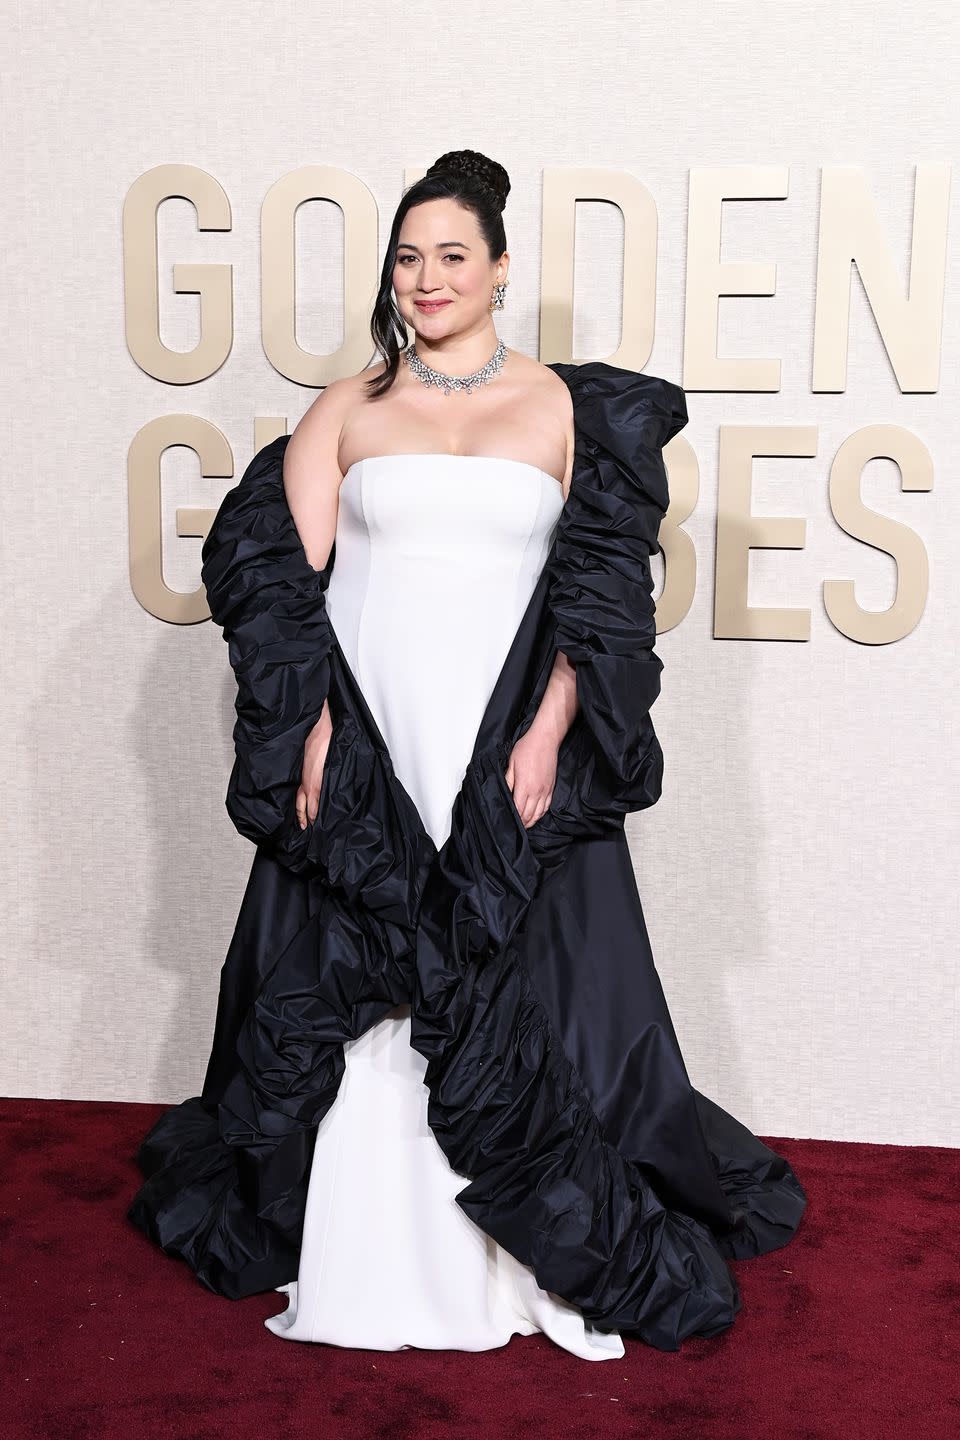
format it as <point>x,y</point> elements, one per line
<point>799,874</point>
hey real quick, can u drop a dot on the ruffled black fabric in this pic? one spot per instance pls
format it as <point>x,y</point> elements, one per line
<point>556,1083</point>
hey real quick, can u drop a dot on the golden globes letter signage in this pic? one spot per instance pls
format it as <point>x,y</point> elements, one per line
<point>908,316</point>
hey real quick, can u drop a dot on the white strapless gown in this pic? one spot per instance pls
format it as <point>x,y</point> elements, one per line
<point>437,557</point>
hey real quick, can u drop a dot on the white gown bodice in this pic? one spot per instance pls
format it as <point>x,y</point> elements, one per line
<point>437,557</point>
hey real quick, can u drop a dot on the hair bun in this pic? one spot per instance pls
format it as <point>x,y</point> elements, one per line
<point>478,169</point>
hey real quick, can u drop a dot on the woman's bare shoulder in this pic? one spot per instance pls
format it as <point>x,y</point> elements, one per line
<point>530,372</point>
<point>544,400</point>
<point>335,401</point>
<point>317,434</point>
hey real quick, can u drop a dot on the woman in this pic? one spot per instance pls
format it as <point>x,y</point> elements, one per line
<point>445,1102</point>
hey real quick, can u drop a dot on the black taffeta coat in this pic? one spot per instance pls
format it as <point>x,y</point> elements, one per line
<point>556,1081</point>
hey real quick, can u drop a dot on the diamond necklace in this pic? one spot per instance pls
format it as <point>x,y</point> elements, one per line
<point>446,383</point>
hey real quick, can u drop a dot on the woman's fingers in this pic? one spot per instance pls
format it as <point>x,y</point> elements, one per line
<point>311,781</point>
<point>541,808</point>
<point>533,806</point>
<point>308,802</point>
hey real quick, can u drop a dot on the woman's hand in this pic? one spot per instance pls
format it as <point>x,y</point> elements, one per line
<point>532,773</point>
<point>314,758</point>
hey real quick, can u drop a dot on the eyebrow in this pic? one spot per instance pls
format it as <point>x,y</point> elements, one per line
<point>403,245</point>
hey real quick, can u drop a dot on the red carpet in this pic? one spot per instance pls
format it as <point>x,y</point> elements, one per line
<point>851,1331</point>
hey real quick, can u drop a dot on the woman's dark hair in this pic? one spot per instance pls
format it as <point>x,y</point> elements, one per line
<point>480,185</point>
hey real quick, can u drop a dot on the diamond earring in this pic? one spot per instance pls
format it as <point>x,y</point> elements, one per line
<point>499,291</point>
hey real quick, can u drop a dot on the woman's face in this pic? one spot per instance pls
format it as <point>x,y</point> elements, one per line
<point>443,276</point>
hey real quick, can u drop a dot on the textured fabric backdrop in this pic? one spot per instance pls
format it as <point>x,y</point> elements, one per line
<point>798,875</point>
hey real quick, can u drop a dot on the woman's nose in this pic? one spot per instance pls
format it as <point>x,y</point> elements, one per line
<point>430,276</point>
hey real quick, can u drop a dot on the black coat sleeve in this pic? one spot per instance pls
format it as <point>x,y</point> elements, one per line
<point>270,603</point>
<point>601,585</point>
